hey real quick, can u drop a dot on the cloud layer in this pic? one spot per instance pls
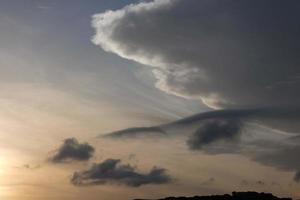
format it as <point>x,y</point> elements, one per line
<point>71,149</point>
<point>112,171</point>
<point>235,132</point>
<point>229,54</point>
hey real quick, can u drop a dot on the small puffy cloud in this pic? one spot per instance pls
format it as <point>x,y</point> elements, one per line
<point>112,171</point>
<point>71,149</point>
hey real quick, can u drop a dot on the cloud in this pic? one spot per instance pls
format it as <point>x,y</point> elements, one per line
<point>112,171</point>
<point>281,155</point>
<point>31,167</point>
<point>214,130</point>
<point>197,119</point>
<point>263,145</point>
<point>209,181</point>
<point>71,149</point>
<point>297,177</point>
<point>282,118</point>
<point>241,56</point>
<point>229,54</point>
<point>236,132</point>
<point>261,183</point>
<point>136,131</point>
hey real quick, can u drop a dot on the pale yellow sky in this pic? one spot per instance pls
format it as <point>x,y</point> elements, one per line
<point>31,131</point>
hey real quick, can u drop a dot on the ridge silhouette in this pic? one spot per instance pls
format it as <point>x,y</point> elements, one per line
<point>234,196</point>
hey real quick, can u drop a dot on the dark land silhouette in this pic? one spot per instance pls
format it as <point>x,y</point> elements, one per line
<point>233,196</point>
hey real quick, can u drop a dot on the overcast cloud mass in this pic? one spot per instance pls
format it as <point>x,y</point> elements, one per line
<point>236,55</point>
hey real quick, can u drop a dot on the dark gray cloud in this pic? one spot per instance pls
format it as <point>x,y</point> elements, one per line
<point>282,118</point>
<point>197,119</point>
<point>297,177</point>
<point>229,54</point>
<point>71,149</point>
<point>283,155</point>
<point>260,144</point>
<point>112,171</point>
<point>214,130</point>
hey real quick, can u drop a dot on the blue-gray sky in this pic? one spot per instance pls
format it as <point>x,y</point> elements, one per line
<point>51,41</point>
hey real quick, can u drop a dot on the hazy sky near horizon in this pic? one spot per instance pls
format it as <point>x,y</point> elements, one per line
<point>80,69</point>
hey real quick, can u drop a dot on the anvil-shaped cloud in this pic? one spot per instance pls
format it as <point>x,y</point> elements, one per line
<point>229,54</point>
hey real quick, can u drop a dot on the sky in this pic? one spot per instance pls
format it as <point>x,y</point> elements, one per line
<point>124,99</point>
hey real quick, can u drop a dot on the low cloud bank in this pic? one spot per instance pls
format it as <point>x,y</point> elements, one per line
<point>114,172</point>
